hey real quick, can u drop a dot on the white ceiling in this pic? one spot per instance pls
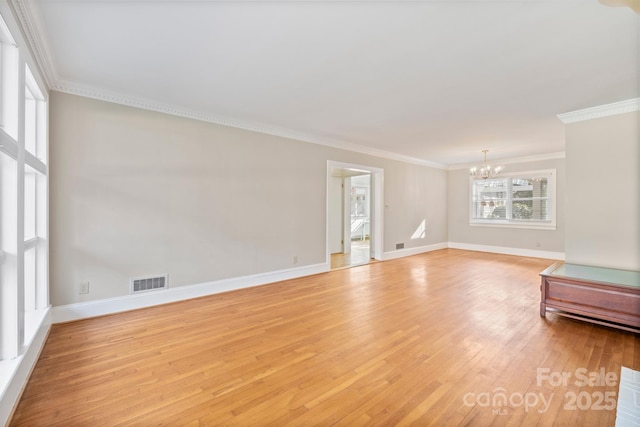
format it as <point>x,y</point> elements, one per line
<point>432,80</point>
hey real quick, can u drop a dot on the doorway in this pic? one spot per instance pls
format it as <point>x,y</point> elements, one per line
<point>354,215</point>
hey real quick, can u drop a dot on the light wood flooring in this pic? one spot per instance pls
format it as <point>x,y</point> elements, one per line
<point>360,254</point>
<point>433,339</point>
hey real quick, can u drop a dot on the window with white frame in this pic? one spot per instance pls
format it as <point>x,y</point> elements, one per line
<point>23,195</point>
<point>524,199</point>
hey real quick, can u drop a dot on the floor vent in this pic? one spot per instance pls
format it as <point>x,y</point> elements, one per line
<point>145,284</point>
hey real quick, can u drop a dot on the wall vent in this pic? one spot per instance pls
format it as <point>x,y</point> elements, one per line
<point>399,245</point>
<point>146,284</point>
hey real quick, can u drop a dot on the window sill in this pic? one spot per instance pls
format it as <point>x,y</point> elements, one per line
<point>536,226</point>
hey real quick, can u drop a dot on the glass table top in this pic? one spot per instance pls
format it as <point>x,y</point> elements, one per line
<point>598,274</point>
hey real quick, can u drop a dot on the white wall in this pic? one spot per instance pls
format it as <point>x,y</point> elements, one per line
<point>135,192</point>
<point>418,195</point>
<point>603,192</point>
<point>460,232</point>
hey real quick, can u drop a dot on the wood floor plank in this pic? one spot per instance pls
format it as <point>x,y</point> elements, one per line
<point>431,339</point>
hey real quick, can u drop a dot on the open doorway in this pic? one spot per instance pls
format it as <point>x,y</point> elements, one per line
<point>354,215</point>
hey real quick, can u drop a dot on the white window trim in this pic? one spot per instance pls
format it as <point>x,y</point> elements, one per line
<point>31,243</point>
<point>542,225</point>
<point>8,145</point>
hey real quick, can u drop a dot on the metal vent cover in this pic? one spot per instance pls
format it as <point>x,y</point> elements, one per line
<point>151,283</point>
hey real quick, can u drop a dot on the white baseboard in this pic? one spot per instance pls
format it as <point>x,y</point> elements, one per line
<point>401,253</point>
<point>83,310</point>
<point>15,373</point>
<point>533,253</point>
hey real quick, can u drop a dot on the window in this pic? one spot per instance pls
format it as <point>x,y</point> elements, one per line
<point>525,200</point>
<point>24,298</point>
<point>8,82</point>
<point>34,118</point>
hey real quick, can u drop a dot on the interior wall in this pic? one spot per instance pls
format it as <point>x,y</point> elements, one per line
<point>520,238</point>
<point>414,197</point>
<point>136,193</point>
<point>603,191</point>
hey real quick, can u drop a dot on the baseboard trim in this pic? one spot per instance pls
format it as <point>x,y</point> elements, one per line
<point>532,253</point>
<point>84,310</point>
<point>401,253</point>
<point>15,373</point>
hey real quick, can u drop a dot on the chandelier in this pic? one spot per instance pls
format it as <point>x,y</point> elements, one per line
<point>485,171</point>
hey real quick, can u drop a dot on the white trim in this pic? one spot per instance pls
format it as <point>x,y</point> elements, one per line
<point>35,163</point>
<point>401,253</point>
<point>32,28</point>
<point>376,208</point>
<point>15,373</point>
<point>532,253</point>
<point>83,310</point>
<point>21,18</point>
<point>153,105</point>
<point>613,109</point>
<point>525,159</point>
<point>32,31</point>
<point>346,213</point>
<point>8,145</point>
<point>513,224</point>
<point>31,243</point>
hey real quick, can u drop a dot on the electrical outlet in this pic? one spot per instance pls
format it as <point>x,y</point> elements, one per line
<point>295,259</point>
<point>84,288</point>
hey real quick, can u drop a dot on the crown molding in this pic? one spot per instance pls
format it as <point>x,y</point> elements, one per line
<point>513,160</point>
<point>606,110</point>
<point>32,30</point>
<point>151,105</point>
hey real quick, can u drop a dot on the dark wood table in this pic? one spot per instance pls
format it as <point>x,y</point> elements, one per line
<point>604,296</point>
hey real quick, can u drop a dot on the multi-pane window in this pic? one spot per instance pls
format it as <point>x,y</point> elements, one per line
<point>23,196</point>
<point>525,199</point>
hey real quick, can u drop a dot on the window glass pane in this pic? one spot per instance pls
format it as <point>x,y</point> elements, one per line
<point>8,244</point>
<point>490,198</point>
<point>30,120</point>
<point>30,279</point>
<point>8,86</point>
<point>29,203</point>
<point>8,203</point>
<point>524,188</point>
<point>536,210</point>
<point>34,117</point>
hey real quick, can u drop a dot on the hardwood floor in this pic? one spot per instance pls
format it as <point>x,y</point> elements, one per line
<point>360,254</point>
<point>433,339</point>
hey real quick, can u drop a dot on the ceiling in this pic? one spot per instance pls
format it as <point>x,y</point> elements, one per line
<point>434,81</point>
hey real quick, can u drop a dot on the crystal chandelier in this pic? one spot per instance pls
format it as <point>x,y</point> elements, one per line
<point>485,171</point>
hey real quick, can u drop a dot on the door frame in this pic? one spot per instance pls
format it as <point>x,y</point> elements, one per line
<point>377,205</point>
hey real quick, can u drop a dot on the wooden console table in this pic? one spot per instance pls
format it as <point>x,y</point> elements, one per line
<point>599,295</point>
